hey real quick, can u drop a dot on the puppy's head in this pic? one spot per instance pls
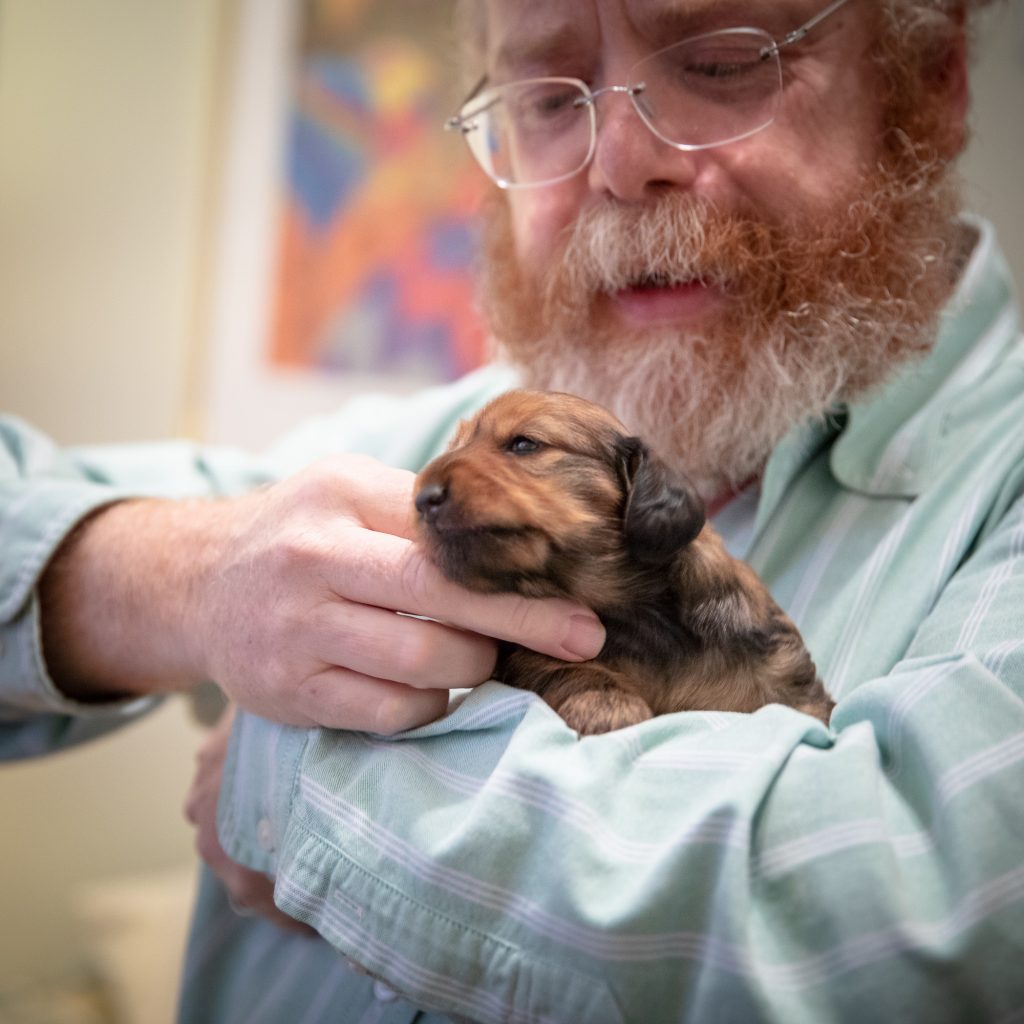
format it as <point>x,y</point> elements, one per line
<point>548,495</point>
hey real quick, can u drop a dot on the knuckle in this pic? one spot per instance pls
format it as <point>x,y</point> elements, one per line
<point>389,716</point>
<point>488,663</point>
<point>433,655</point>
<point>313,690</point>
<point>417,579</point>
<point>208,848</point>
<point>472,661</point>
<point>337,478</point>
<point>310,484</point>
<point>276,675</point>
<point>251,890</point>
<point>397,712</point>
<point>279,649</point>
<point>415,656</point>
<point>293,551</point>
<point>356,465</point>
<point>288,629</point>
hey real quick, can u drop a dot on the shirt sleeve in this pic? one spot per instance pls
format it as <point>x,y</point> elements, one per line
<point>696,866</point>
<point>45,492</point>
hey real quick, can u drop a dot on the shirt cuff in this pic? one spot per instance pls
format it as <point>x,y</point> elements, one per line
<point>33,524</point>
<point>258,785</point>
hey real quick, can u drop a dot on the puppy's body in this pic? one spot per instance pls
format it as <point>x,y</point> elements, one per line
<point>547,495</point>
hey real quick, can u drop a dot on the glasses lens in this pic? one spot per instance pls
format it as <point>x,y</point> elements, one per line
<point>531,132</point>
<point>710,90</point>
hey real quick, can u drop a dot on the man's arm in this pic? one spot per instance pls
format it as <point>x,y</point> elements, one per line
<point>287,598</point>
<point>705,867</point>
<point>142,569</point>
<point>44,492</point>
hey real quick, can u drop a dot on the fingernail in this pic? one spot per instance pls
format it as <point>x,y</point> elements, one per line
<point>585,637</point>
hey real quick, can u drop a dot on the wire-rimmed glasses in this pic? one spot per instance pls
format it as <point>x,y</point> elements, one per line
<point>705,91</point>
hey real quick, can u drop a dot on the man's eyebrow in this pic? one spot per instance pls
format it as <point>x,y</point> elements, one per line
<point>540,50</point>
<point>678,19</point>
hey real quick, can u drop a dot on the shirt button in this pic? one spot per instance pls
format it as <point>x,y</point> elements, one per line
<point>384,993</point>
<point>265,835</point>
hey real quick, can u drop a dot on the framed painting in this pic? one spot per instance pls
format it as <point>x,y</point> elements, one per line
<point>345,256</point>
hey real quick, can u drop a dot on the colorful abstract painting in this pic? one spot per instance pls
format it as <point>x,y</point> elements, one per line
<point>377,232</point>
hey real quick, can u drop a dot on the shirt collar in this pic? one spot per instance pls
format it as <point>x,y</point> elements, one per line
<point>889,444</point>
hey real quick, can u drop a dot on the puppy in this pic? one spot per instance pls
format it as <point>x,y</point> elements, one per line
<point>547,495</point>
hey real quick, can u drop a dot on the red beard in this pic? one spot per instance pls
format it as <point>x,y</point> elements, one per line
<point>816,312</point>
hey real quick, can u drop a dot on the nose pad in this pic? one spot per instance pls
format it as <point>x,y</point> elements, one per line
<point>430,501</point>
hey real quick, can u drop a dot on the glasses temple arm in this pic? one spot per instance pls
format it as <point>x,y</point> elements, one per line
<point>456,122</point>
<point>798,33</point>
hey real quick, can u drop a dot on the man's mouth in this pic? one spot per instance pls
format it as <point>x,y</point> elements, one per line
<point>650,282</point>
<point>657,298</point>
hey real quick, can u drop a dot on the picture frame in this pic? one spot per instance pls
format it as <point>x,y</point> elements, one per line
<point>344,236</point>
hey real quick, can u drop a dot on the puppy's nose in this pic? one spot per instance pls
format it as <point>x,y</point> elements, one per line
<point>430,501</point>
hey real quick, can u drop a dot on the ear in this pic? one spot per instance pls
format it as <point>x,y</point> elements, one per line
<point>663,510</point>
<point>462,433</point>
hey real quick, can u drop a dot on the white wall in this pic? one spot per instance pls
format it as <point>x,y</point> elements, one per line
<point>106,809</point>
<point>106,121</point>
<point>994,165</point>
<point>107,159</point>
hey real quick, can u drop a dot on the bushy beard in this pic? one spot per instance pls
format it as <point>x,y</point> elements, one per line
<point>817,312</point>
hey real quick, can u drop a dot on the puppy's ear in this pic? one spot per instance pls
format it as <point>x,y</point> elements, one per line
<point>663,510</point>
<point>463,430</point>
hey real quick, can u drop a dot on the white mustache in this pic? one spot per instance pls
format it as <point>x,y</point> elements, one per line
<point>613,247</point>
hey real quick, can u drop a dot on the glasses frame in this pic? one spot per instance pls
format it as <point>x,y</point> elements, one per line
<point>465,123</point>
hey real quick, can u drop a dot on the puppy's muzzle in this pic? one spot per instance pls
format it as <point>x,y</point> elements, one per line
<point>443,511</point>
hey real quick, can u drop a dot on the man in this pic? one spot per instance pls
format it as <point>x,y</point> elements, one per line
<point>744,241</point>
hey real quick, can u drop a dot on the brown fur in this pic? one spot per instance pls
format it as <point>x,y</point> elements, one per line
<point>546,495</point>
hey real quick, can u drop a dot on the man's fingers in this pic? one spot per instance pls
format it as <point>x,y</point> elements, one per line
<point>379,497</point>
<point>393,573</point>
<point>251,894</point>
<point>338,698</point>
<point>416,652</point>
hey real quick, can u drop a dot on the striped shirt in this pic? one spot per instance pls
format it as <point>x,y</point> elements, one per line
<point>726,867</point>
<point>697,867</point>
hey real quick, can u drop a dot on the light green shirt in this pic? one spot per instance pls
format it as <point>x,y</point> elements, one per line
<point>698,867</point>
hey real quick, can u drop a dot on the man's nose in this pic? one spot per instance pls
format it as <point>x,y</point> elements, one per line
<point>630,161</point>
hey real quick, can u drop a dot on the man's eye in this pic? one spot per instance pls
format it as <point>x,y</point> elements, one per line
<point>522,445</point>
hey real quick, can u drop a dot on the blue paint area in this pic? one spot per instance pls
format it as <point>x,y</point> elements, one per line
<point>451,244</point>
<point>384,317</point>
<point>344,79</point>
<point>323,171</point>
<point>372,333</point>
<point>329,146</point>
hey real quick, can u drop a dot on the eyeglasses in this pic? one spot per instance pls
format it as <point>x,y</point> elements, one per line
<point>703,92</point>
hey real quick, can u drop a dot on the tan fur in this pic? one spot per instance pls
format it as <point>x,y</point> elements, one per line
<point>577,508</point>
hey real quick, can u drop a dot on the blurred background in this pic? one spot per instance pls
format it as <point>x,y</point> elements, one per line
<point>217,216</point>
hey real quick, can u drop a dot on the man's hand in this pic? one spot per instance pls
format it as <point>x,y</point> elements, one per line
<point>306,601</point>
<point>250,892</point>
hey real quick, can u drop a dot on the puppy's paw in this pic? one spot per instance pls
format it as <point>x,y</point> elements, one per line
<point>594,711</point>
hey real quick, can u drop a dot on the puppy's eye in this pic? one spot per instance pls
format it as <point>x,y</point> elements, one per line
<point>522,445</point>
